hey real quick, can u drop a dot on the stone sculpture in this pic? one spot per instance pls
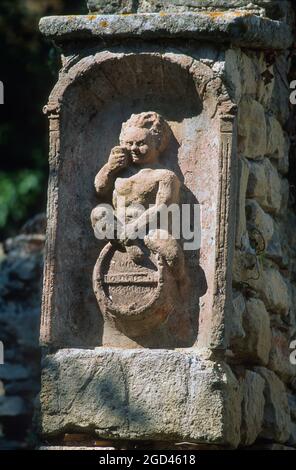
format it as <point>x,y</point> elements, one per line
<point>136,273</point>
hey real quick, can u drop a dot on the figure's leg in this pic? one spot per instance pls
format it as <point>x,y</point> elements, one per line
<point>103,222</point>
<point>160,241</point>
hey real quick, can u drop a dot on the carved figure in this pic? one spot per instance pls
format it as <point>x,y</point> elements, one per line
<point>135,273</point>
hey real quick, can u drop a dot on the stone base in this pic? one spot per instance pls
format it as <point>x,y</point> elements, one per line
<point>140,395</point>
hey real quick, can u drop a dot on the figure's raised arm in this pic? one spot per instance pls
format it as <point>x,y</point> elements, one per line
<point>105,179</point>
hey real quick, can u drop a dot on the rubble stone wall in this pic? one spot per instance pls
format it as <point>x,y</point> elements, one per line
<point>21,268</point>
<point>264,318</point>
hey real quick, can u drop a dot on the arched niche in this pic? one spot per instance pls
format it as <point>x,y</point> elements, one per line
<point>86,110</point>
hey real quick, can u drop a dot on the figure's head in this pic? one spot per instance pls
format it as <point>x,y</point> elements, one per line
<point>146,136</point>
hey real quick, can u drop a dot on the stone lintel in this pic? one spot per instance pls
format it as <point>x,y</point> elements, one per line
<point>141,395</point>
<point>239,28</point>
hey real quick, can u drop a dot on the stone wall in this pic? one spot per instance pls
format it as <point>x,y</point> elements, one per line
<point>20,296</point>
<point>264,322</point>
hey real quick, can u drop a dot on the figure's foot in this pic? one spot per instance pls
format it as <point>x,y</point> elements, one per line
<point>161,242</point>
<point>135,253</point>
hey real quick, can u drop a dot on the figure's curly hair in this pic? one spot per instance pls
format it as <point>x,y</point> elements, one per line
<point>154,123</point>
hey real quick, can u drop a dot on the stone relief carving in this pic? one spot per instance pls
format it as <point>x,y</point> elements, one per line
<point>140,275</point>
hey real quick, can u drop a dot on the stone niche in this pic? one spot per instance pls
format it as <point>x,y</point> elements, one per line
<point>99,94</point>
<point>135,334</point>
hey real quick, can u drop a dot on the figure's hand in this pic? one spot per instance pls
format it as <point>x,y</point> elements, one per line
<point>131,232</point>
<point>119,158</point>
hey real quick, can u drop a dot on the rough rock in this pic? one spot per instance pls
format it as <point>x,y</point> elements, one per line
<point>244,265</point>
<point>271,287</point>
<point>275,138</point>
<point>252,132</point>
<point>259,220</point>
<point>265,185</point>
<point>280,356</point>
<point>255,346</point>
<point>252,388</point>
<point>283,164</point>
<point>277,421</point>
<point>274,248</point>
<point>280,99</point>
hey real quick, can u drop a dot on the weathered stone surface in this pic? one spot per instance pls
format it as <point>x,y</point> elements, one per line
<point>274,249</point>
<point>252,388</point>
<point>275,138</point>
<point>272,289</point>
<point>244,264</point>
<point>283,164</point>
<point>264,79</point>
<point>252,132</point>
<point>259,220</point>
<point>111,392</point>
<point>280,356</point>
<point>127,6</point>
<point>280,100</point>
<point>114,6</point>
<point>249,78</point>
<point>232,73</point>
<point>265,185</point>
<point>249,75</point>
<point>237,28</point>
<point>277,421</point>
<point>255,346</point>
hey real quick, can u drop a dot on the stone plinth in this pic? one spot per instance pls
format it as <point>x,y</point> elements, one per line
<point>140,394</point>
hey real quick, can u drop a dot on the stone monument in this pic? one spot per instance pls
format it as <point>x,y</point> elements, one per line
<point>140,332</point>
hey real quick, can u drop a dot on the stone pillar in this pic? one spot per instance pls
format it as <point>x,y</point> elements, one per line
<point>165,103</point>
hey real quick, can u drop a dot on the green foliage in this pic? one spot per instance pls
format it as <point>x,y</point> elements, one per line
<point>18,194</point>
<point>29,69</point>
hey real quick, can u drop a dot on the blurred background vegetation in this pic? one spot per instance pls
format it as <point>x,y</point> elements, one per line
<point>28,68</point>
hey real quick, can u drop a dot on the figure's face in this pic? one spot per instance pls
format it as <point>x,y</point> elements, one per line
<point>141,145</point>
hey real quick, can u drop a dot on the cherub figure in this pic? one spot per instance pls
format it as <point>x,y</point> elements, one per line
<point>136,184</point>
